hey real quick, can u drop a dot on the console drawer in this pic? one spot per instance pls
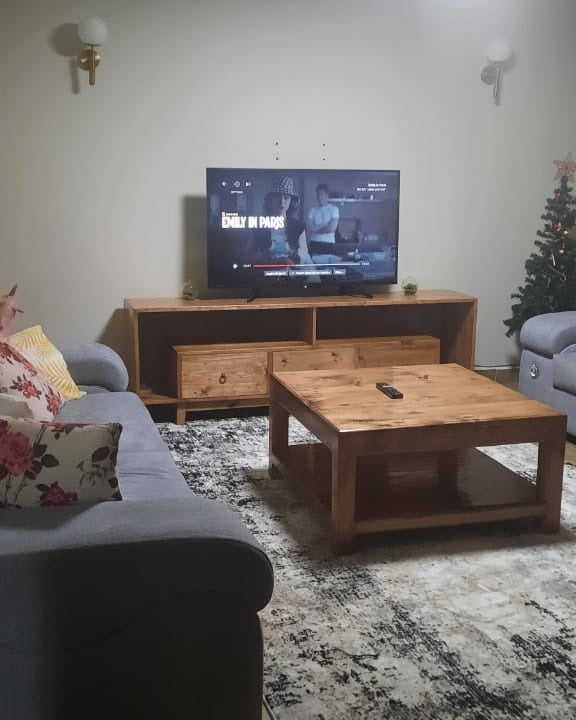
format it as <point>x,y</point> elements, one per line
<point>382,351</point>
<point>416,350</point>
<point>219,375</point>
<point>327,358</point>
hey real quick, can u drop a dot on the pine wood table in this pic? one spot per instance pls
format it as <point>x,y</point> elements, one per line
<point>383,464</point>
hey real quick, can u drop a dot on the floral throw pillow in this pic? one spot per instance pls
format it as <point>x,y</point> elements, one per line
<point>53,464</point>
<point>20,378</point>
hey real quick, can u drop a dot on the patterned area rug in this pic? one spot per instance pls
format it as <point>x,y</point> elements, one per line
<point>472,623</point>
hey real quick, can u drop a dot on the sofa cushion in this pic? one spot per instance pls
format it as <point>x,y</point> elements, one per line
<point>146,468</point>
<point>564,368</point>
<point>80,574</point>
<point>139,433</point>
<point>33,343</point>
<point>50,464</point>
<point>93,389</point>
<point>18,377</point>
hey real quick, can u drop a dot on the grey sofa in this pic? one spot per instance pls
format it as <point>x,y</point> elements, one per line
<point>145,608</point>
<point>548,362</point>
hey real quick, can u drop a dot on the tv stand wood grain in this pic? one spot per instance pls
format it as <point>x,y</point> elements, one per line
<point>216,354</point>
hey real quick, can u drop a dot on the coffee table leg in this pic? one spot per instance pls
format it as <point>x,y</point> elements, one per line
<point>343,501</point>
<point>277,437</point>
<point>549,482</point>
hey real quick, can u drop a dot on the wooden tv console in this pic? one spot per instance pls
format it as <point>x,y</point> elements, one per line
<point>215,354</point>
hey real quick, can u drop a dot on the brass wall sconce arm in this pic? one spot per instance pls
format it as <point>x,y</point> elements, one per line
<point>499,54</point>
<point>93,32</point>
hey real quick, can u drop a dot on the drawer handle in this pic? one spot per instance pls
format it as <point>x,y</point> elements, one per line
<point>222,379</point>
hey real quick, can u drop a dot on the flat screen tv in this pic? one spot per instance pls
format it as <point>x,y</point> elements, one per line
<point>301,228</point>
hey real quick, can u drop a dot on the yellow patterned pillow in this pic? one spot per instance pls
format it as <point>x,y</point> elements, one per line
<point>36,347</point>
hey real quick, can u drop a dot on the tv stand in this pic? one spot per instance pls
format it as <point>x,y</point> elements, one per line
<point>354,291</point>
<point>217,354</point>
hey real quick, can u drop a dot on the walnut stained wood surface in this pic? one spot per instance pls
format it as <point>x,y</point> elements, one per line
<point>398,464</point>
<point>433,325</point>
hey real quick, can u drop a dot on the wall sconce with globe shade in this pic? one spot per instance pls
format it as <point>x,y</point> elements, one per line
<point>499,54</point>
<point>92,32</point>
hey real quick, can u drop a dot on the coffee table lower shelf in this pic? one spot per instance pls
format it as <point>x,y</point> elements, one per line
<point>416,490</point>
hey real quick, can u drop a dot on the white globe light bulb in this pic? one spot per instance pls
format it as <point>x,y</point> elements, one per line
<point>499,51</point>
<point>92,31</point>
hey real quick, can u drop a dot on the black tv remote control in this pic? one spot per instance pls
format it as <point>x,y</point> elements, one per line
<point>390,391</point>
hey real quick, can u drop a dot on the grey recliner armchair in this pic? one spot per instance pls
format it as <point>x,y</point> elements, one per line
<point>548,362</point>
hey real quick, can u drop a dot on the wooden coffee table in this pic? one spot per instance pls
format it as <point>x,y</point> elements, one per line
<point>383,464</point>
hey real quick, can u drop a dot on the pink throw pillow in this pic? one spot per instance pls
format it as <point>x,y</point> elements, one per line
<point>53,464</point>
<point>18,377</point>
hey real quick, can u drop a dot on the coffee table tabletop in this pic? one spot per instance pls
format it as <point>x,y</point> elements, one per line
<point>445,410</point>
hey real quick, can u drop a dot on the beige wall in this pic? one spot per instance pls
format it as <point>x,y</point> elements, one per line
<point>100,188</point>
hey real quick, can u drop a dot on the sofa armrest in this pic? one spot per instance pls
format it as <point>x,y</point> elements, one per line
<point>549,333</point>
<point>96,364</point>
<point>78,574</point>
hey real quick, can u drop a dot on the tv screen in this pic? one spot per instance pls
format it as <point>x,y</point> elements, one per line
<point>311,228</point>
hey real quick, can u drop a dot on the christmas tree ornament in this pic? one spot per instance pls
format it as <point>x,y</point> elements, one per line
<point>566,168</point>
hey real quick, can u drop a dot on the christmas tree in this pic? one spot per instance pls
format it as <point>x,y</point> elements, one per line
<point>550,272</point>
